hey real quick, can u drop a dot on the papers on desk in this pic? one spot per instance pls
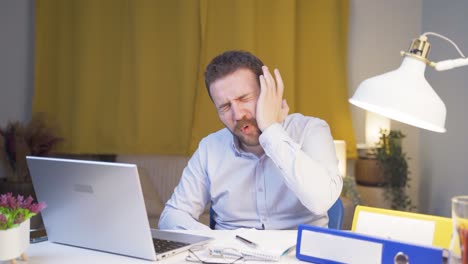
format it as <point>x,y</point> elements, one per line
<point>271,245</point>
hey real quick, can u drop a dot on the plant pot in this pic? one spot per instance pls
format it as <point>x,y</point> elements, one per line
<point>369,173</point>
<point>14,242</point>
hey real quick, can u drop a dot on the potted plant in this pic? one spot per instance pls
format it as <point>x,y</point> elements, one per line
<point>394,166</point>
<point>350,190</point>
<point>15,213</point>
<point>19,140</point>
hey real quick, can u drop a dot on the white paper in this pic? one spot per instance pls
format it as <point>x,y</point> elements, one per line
<point>396,227</point>
<point>271,243</point>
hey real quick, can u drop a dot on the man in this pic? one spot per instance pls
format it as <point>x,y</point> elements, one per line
<point>266,169</point>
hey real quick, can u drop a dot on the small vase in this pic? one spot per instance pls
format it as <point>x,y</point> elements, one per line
<point>14,241</point>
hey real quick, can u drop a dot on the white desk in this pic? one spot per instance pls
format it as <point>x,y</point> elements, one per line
<point>52,253</point>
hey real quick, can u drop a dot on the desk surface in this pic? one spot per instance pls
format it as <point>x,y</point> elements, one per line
<point>52,253</point>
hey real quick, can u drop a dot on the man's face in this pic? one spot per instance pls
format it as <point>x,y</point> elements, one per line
<point>235,97</point>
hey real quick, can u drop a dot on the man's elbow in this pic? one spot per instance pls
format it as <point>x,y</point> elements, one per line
<point>321,205</point>
<point>168,218</point>
<point>319,208</point>
<point>163,222</point>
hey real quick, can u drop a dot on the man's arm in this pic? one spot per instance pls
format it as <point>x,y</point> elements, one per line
<point>189,199</point>
<point>310,170</point>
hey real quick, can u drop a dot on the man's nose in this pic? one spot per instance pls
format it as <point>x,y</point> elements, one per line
<point>237,112</point>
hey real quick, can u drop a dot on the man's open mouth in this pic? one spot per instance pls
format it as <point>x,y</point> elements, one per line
<point>244,129</point>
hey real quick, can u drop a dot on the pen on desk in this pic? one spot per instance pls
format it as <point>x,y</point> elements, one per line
<point>247,242</point>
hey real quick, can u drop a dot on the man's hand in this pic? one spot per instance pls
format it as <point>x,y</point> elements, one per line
<point>271,107</point>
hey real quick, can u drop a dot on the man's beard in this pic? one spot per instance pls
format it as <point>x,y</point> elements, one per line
<point>250,139</point>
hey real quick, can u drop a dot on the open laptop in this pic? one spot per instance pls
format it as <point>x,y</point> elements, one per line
<point>100,206</point>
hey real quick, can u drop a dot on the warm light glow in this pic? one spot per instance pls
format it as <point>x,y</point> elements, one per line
<point>374,123</point>
<point>340,147</point>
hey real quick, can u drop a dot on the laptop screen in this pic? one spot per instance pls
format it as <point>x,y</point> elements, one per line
<point>96,205</point>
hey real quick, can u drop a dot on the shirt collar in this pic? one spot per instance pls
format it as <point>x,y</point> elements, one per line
<point>236,146</point>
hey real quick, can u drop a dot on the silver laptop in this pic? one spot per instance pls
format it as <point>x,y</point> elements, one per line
<point>100,206</point>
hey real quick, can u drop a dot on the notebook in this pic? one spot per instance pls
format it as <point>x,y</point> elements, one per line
<point>269,247</point>
<point>100,206</point>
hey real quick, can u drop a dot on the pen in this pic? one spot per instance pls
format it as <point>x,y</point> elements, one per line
<point>247,242</point>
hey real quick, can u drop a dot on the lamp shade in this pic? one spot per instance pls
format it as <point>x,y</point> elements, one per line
<point>403,95</point>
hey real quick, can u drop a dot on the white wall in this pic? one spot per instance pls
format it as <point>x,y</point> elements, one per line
<point>16,63</point>
<point>444,157</point>
<point>379,30</point>
<point>16,60</point>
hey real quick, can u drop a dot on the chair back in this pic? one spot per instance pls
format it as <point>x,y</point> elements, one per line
<point>336,215</point>
<point>212,221</point>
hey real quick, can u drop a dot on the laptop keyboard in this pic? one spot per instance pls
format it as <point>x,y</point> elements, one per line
<point>161,245</point>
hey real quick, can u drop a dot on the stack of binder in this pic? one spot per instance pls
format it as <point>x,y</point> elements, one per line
<point>424,229</point>
<point>323,245</point>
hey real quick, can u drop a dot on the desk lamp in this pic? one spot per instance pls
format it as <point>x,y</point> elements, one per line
<point>404,94</point>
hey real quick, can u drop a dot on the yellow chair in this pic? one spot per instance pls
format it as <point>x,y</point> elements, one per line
<point>409,227</point>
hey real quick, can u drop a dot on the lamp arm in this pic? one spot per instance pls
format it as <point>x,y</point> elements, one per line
<point>450,64</point>
<point>445,38</point>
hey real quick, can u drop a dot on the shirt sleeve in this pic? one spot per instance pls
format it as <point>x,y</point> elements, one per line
<point>310,167</point>
<point>189,199</point>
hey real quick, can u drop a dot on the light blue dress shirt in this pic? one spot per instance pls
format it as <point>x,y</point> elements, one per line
<point>296,181</point>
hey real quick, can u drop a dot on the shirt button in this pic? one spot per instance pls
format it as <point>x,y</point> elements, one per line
<point>260,189</point>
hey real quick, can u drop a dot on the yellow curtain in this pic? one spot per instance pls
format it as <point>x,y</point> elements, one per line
<point>126,76</point>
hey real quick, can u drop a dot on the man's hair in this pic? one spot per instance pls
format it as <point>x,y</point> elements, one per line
<point>229,62</point>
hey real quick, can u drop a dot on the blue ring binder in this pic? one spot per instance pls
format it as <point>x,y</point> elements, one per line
<point>323,245</point>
